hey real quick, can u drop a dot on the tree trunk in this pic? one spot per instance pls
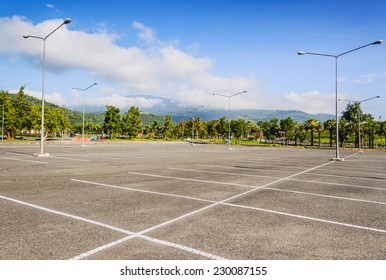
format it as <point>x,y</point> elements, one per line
<point>10,135</point>
<point>312,138</point>
<point>320,144</point>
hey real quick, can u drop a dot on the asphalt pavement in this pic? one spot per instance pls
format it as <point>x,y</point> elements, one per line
<point>173,200</point>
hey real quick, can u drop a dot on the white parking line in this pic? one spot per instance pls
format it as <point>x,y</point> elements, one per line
<point>151,239</point>
<point>243,168</point>
<point>190,213</point>
<point>306,217</point>
<point>280,171</point>
<point>65,214</point>
<point>267,188</point>
<point>223,202</point>
<point>327,196</point>
<point>276,177</point>
<point>224,173</point>
<point>17,159</point>
<point>142,191</point>
<point>345,176</point>
<point>87,156</point>
<point>72,159</point>
<point>191,180</point>
<point>106,246</point>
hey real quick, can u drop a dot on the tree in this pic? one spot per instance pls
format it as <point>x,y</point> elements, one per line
<point>211,128</point>
<point>274,127</point>
<point>270,128</point>
<point>132,122</point>
<point>251,127</point>
<point>222,128</point>
<point>330,125</point>
<point>312,125</point>
<point>112,123</point>
<point>352,115</point>
<point>181,129</point>
<point>287,125</point>
<point>238,128</point>
<point>299,133</point>
<point>382,130</point>
<point>370,129</point>
<point>168,126</point>
<point>154,129</point>
<point>197,127</point>
<point>264,126</point>
<point>22,108</point>
<point>10,124</point>
<point>343,130</point>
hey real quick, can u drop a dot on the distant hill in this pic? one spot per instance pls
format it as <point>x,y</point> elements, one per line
<point>96,114</point>
<point>254,115</point>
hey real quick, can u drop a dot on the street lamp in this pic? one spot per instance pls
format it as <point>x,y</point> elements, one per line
<point>229,114</point>
<point>194,109</point>
<point>66,21</point>
<point>337,157</point>
<point>359,118</point>
<point>83,145</point>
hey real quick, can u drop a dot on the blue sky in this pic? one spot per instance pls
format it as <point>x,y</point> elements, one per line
<point>140,51</point>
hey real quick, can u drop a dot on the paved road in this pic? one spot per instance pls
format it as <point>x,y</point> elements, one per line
<point>179,201</point>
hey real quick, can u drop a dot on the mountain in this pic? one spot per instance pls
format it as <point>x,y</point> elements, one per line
<point>170,108</point>
<point>207,114</point>
<point>251,114</point>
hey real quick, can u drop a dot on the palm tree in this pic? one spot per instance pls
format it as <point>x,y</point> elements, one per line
<point>330,125</point>
<point>312,125</point>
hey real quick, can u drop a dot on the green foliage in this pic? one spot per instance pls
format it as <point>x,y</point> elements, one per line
<point>313,125</point>
<point>132,122</point>
<point>22,114</point>
<point>330,125</point>
<point>168,126</point>
<point>112,124</point>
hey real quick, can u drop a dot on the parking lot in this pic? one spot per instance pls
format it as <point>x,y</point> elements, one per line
<point>167,200</point>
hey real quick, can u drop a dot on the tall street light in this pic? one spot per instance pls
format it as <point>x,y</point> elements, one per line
<point>359,118</point>
<point>66,21</point>
<point>194,109</point>
<point>337,157</point>
<point>229,113</point>
<point>83,145</point>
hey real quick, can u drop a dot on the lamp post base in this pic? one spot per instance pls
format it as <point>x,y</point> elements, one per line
<point>337,159</point>
<point>42,155</point>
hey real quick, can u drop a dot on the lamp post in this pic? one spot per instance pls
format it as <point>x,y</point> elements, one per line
<point>83,145</point>
<point>194,109</point>
<point>359,118</point>
<point>229,114</point>
<point>337,156</point>
<point>66,21</point>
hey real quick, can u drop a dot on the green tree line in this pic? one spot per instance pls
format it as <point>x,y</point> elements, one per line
<point>22,116</point>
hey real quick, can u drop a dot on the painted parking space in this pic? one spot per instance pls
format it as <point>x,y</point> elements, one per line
<point>177,201</point>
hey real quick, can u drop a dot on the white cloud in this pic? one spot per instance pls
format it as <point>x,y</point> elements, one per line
<point>54,97</point>
<point>117,100</point>
<point>311,102</point>
<point>158,69</point>
<point>366,79</point>
<point>146,34</point>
